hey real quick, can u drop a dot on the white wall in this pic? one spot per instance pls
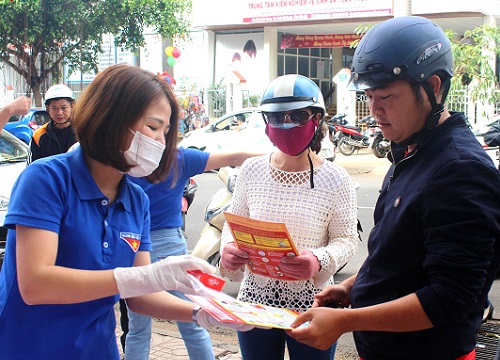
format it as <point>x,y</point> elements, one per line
<point>192,68</point>
<point>151,55</point>
<point>452,6</point>
<point>226,46</point>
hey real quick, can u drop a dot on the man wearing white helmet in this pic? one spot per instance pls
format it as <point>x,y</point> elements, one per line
<point>56,136</point>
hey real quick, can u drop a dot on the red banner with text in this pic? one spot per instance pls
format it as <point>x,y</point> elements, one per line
<point>318,41</point>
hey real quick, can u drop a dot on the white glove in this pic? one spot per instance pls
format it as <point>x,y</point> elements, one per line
<point>168,274</point>
<point>207,321</point>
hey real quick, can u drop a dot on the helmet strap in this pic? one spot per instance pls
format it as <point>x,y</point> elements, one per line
<point>316,134</point>
<point>432,119</point>
<point>61,123</point>
<point>311,166</point>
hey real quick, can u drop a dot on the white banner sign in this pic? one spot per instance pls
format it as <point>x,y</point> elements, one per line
<point>293,10</point>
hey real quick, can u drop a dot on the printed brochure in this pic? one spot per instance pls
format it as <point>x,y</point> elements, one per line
<point>265,242</point>
<point>227,309</point>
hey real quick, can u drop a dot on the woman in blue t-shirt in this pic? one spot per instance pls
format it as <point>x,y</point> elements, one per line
<point>83,242</point>
<point>167,239</point>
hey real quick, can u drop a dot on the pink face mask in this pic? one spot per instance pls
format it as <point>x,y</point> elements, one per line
<point>295,140</point>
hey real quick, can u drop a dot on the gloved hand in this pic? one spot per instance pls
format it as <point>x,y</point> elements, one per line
<point>207,321</point>
<point>302,267</point>
<point>233,258</point>
<point>168,274</point>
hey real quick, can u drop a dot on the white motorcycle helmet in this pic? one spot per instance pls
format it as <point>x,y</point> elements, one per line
<point>290,92</point>
<point>59,91</point>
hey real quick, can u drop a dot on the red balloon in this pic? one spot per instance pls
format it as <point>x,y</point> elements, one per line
<point>176,53</point>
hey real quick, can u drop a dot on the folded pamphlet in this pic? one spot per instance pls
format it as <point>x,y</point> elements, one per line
<point>265,242</point>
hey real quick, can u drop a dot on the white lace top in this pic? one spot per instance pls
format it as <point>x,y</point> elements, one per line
<point>322,220</point>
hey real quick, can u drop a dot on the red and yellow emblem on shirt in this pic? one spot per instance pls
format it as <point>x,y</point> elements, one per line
<point>133,240</point>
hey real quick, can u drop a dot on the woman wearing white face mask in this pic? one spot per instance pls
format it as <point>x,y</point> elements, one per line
<point>316,200</point>
<point>67,266</point>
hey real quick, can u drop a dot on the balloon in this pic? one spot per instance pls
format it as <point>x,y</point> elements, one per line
<point>171,61</point>
<point>168,50</point>
<point>176,52</point>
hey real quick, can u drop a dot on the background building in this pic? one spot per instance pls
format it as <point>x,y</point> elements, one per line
<point>309,37</point>
<point>238,46</point>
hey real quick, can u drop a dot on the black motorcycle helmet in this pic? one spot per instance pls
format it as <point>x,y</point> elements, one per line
<point>411,48</point>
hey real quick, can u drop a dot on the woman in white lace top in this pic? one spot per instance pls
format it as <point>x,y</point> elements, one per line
<point>315,198</point>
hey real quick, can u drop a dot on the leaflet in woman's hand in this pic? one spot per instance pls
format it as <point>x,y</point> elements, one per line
<point>265,242</point>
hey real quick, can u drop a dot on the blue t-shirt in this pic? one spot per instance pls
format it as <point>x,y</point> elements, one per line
<point>93,235</point>
<point>165,201</point>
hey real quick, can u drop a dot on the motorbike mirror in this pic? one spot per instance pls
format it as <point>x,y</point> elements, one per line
<point>231,182</point>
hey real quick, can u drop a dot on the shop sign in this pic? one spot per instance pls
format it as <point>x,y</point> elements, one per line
<point>303,10</point>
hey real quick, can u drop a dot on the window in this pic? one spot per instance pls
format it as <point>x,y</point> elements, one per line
<point>347,56</point>
<point>281,65</point>
<point>304,61</point>
<point>41,118</point>
<point>14,118</point>
<point>304,66</point>
<point>290,65</point>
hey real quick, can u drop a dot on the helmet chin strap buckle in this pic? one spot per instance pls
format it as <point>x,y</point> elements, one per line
<point>438,111</point>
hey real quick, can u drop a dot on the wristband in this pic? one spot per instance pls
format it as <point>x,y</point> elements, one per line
<point>194,314</point>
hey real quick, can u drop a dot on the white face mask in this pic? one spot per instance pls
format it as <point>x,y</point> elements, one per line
<point>145,153</point>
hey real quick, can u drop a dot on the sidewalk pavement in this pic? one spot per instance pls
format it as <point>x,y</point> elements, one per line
<point>168,345</point>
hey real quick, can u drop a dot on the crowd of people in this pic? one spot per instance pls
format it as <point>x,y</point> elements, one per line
<point>110,228</point>
<point>192,115</point>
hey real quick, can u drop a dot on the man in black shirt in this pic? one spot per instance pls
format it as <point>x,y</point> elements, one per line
<point>56,136</point>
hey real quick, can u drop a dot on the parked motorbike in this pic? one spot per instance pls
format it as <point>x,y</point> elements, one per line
<point>187,199</point>
<point>334,127</point>
<point>208,246</point>
<point>351,138</point>
<point>380,145</point>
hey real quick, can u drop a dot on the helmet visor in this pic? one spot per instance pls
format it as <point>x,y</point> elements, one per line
<point>375,79</point>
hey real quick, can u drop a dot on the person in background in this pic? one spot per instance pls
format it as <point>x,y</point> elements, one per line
<point>67,266</point>
<point>434,249</point>
<point>168,239</point>
<point>492,137</point>
<point>241,122</point>
<point>20,106</point>
<point>56,136</point>
<point>316,200</point>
